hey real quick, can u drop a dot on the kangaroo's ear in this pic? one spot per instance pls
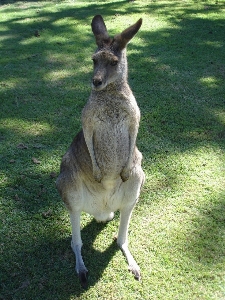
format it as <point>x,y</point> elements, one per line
<point>100,31</point>
<point>120,41</point>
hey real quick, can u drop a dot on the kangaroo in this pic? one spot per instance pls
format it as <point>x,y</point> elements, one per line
<point>101,171</point>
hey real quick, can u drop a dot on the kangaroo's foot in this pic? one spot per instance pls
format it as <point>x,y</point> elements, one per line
<point>83,277</point>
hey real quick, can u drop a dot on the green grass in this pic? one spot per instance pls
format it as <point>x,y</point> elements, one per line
<point>177,72</point>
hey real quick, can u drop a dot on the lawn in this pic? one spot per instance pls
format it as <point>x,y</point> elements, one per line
<point>177,73</point>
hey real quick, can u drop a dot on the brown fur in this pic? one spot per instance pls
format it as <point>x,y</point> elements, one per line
<point>101,171</point>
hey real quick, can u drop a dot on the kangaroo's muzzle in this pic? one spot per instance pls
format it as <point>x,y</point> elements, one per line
<point>97,82</point>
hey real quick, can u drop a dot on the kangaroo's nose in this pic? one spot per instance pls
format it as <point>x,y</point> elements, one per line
<point>97,82</point>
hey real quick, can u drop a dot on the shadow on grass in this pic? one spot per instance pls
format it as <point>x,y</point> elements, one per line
<point>206,241</point>
<point>183,95</point>
<point>170,60</point>
<point>37,275</point>
<point>177,74</point>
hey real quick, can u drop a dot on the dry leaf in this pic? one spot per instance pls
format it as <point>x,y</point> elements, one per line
<point>35,160</point>
<point>47,214</point>
<point>36,33</point>
<point>22,146</point>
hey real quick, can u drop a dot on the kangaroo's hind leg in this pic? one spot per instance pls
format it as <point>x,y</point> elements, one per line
<point>76,245</point>
<point>73,200</point>
<point>122,241</point>
<point>132,190</point>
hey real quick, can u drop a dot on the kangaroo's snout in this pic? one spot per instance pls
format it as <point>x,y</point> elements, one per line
<point>97,82</point>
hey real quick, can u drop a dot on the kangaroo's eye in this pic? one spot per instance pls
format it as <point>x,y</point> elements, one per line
<point>114,63</point>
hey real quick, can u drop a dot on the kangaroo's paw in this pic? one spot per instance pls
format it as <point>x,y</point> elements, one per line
<point>125,174</point>
<point>97,175</point>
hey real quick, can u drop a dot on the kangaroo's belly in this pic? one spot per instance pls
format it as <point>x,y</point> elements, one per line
<point>111,147</point>
<point>103,202</point>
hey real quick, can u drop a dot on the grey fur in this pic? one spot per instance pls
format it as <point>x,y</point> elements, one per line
<point>101,171</point>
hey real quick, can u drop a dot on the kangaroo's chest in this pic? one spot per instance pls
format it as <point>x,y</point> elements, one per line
<point>111,145</point>
<point>110,124</point>
<point>111,128</point>
<point>115,115</point>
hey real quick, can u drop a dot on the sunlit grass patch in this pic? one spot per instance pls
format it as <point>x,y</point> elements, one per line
<point>176,70</point>
<point>25,128</point>
<point>210,82</point>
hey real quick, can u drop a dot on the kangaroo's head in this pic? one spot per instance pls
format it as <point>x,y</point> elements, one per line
<point>110,63</point>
